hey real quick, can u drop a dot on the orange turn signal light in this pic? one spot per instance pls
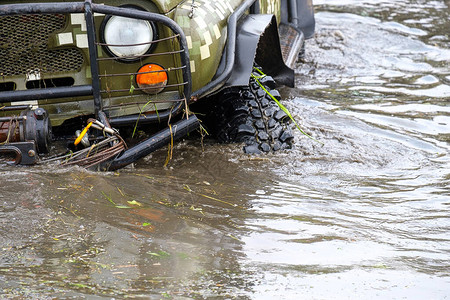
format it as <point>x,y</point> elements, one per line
<point>151,78</point>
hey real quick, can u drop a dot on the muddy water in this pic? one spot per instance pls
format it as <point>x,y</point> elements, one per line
<point>365,215</point>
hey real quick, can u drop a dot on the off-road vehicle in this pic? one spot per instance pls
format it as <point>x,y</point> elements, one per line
<point>89,72</point>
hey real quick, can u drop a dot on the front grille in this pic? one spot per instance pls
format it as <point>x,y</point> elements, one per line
<point>24,46</point>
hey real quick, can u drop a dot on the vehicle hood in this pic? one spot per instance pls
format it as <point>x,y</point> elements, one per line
<point>166,6</point>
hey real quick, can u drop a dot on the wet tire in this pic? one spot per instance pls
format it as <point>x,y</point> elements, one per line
<point>249,115</point>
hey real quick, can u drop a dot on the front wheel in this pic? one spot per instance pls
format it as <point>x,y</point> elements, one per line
<point>251,116</point>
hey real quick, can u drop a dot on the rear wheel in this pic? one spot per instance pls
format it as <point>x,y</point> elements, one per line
<point>251,116</point>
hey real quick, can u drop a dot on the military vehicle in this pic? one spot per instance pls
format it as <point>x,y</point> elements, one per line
<point>91,73</point>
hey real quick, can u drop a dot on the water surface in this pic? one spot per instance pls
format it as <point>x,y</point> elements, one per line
<point>363,215</point>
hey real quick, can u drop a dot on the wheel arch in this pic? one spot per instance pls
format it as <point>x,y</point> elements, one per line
<point>257,40</point>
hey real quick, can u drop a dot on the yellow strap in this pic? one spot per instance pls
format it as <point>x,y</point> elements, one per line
<point>82,134</point>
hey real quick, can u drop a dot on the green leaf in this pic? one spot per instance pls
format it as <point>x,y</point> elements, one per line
<point>283,108</point>
<point>166,295</point>
<point>160,254</point>
<point>380,266</point>
<point>134,202</point>
<point>140,113</point>
<point>146,224</point>
<point>108,198</point>
<point>131,84</point>
<point>80,285</point>
<point>122,206</point>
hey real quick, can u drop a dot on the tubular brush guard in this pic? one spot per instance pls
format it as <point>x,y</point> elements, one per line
<point>178,130</point>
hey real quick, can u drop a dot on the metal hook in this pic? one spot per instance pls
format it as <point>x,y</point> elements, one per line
<point>193,6</point>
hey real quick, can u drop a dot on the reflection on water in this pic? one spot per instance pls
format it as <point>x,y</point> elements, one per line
<point>366,215</point>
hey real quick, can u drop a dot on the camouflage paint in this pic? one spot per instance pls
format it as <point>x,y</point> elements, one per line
<point>272,7</point>
<point>206,33</point>
<point>165,6</point>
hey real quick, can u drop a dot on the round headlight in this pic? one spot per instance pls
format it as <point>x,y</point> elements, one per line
<point>127,37</point>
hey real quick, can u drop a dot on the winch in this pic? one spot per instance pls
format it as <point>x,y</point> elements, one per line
<point>26,135</point>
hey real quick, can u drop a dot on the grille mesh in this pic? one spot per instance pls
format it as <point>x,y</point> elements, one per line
<point>23,46</point>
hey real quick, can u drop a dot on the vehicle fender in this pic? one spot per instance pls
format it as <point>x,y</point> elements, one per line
<point>257,40</point>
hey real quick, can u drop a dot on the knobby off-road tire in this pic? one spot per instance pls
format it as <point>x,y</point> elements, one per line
<point>251,116</point>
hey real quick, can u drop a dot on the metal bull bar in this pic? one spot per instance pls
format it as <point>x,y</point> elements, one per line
<point>89,8</point>
<point>178,130</point>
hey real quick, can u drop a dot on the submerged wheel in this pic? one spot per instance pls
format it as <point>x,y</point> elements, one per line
<point>251,116</point>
